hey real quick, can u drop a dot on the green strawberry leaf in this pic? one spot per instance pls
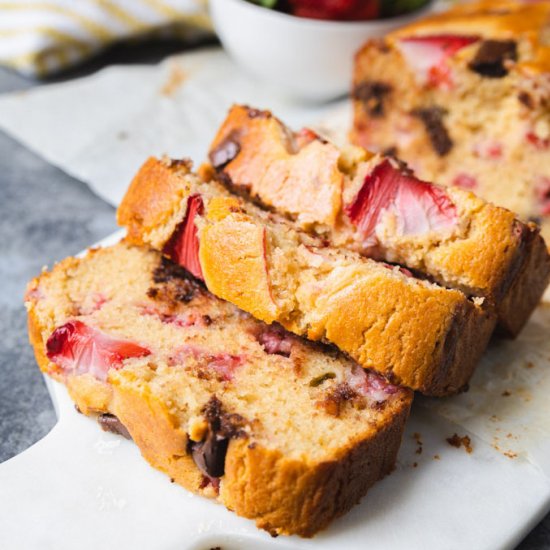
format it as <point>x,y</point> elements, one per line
<point>265,3</point>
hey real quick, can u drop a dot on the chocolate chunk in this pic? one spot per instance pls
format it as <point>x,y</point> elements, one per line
<point>337,397</point>
<point>372,95</point>
<point>110,423</point>
<point>177,283</point>
<point>225,152</point>
<point>492,57</point>
<point>527,100</point>
<point>432,117</point>
<point>209,454</point>
<point>169,271</point>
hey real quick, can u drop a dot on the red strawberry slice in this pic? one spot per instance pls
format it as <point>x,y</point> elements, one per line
<point>78,349</point>
<point>419,207</point>
<point>185,319</point>
<point>540,143</point>
<point>346,10</point>
<point>543,195</point>
<point>304,137</point>
<point>276,340</point>
<point>369,384</point>
<point>225,365</point>
<point>427,56</point>
<point>466,181</point>
<point>183,246</point>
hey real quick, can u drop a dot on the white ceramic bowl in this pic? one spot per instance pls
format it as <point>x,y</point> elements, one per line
<point>307,58</point>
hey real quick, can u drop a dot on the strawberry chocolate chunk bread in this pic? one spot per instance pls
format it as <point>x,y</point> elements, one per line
<point>415,332</point>
<point>464,98</point>
<point>280,430</point>
<point>376,206</point>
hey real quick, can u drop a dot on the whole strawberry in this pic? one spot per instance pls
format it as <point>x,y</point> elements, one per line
<point>342,10</point>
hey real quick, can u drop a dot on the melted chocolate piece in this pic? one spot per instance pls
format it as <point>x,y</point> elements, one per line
<point>110,423</point>
<point>225,152</point>
<point>372,94</point>
<point>526,99</point>
<point>209,454</point>
<point>432,117</point>
<point>337,397</point>
<point>177,283</point>
<point>491,57</point>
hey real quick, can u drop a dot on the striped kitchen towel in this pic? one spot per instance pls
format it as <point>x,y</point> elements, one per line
<point>41,37</point>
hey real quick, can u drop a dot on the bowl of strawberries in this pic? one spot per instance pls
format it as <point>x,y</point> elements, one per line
<point>306,47</point>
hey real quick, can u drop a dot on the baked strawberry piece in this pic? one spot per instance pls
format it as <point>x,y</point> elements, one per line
<point>77,348</point>
<point>199,398</point>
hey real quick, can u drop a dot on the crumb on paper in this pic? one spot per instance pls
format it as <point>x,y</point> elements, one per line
<point>456,441</point>
<point>176,77</point>
<point>529,365</point>
<point>415,464</point>
<point>506,393</point>
<point>437,457</point>
<point>418,438</point>
<point>494,418</point>
<point>510,454</point>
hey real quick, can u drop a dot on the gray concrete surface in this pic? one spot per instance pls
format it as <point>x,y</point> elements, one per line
<point>46,215</point>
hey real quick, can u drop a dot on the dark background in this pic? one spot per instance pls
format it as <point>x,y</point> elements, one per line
<point>46,215</point>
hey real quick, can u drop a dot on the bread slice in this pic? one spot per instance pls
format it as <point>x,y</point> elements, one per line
<point>280,430</point>
<point>376,206</point>
<point>464,98</point>
<point>412,331</point>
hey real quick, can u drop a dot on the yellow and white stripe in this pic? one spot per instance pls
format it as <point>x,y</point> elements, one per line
<point>40,37</point>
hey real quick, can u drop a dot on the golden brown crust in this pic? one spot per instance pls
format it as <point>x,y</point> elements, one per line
<point>308,496</point>
<point>237,249</point>
<point>152,196</point>
<point>374,315</point>
<point>529,284</point>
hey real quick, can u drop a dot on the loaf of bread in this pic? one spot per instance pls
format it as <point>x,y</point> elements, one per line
<point>412,331</point>
<point>280,430</point>
<point>464,98</point>
<point>376,206</point>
